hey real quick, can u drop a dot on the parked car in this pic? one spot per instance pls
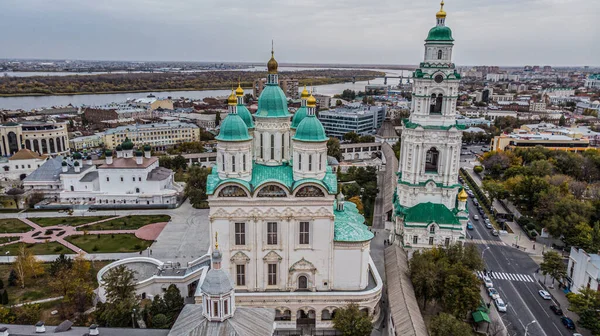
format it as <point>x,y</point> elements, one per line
<point>475,217</point>
<point>488,282</point>
<point>556,309</point>
<point>470,193</point>
<point>493,293</point>
<point>494,232</point>
<point>467,188</point>
<point>545,295</point>
<point>568,323</point>
<point>484,216</point>
<point>500,305</point>
<point>469,226</point>
<point>476,202</point>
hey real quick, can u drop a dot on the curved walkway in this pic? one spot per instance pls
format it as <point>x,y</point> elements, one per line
<point>58,233</point>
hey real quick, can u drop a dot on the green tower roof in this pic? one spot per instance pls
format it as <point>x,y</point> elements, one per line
<point>243,112</point>
<point>298,117</point>
<point>127,144</point>
<point>440,34</point>
<point>310,129</point>
<point>233,128</point>
<point>272,103</point>
<point>77,156</point>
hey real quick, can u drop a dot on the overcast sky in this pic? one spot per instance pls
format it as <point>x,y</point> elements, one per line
<point>500,32</point>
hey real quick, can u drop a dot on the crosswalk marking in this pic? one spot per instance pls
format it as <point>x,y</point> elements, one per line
<point>486,242</point>
<point>507,276</point>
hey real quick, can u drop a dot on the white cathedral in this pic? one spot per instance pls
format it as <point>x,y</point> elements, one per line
<point>429,205</point>
<point>288,239</point>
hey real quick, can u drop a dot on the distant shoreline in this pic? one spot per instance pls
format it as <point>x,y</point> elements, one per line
<point>302,81</point>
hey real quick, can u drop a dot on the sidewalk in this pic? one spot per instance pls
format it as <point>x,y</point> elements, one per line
<point>518,237</point>
<point>90,256</point>
<point>494,316</point>
<point>560,299</point>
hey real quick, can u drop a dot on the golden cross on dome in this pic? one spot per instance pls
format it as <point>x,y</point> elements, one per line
<point>216,240</point>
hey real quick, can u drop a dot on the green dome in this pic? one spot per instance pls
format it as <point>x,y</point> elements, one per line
<point>108,153</point>
<point>76,164</point>
<point>440,33</point>
<point>147,148</point>
<point>119,148</point>
<point>272,102</point>
<point>310,129</point>
<point>298,117</point>
<point>233,128</point>
<point>77,156</point>
<point>243,112</point>
<point>127,144</point>
<point>64,163</point>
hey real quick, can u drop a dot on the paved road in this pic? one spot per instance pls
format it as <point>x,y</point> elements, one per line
<point>513,272</point>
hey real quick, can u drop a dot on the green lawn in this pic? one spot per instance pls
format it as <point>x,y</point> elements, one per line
<point>108,243</point>
<point>13,225</point>
<point>71,221</point>
<point>128,222</point>
<point>37,248</point>
<point>7,239</point>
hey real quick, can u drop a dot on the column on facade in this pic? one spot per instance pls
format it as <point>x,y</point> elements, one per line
<point>258,262</point>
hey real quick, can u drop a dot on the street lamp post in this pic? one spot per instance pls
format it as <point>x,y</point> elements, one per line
<point>527,326</point>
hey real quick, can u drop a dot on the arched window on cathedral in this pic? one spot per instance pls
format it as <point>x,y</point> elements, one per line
<point>272,146</point>
<point>440,54</point>
<point>283,146</point>
<point>271,191</point>
<point>431,160</point>
<point>260,152</point>
<point>310,191</point>
<point>232,191</point>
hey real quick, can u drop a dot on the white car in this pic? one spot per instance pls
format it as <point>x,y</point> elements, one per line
<point>488,282</point>
<point>475,217</point>
<point>488,225</point>
<point>500,305</point>
<point>545,295</point>
<point>493,293</point>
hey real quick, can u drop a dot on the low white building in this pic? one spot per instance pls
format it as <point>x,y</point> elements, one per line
<point>129,180</point>
<point>20,165</point>
<point>583,270</point>
<point>593,81</point>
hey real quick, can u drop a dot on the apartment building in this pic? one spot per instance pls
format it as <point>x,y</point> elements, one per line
<point>159,136</point>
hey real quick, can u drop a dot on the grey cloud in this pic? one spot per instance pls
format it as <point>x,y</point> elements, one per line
<point>503,32</point>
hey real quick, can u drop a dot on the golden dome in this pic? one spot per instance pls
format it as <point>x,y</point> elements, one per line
<point>304,94</point>
<point>441,14</point>
<point>462,196</point>
<point>272,64</point>
<point>311,101</point>
<point>232,100</point>
<point>239,91</point>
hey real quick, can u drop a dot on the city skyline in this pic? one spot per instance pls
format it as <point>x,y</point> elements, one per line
<point>503,32</point>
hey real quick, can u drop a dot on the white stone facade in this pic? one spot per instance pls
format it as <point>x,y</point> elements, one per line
<point>427,211</point>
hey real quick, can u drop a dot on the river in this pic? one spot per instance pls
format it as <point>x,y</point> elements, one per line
<point>34,102</point>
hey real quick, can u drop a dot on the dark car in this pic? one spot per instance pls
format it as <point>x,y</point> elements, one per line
<point>568,323</point>
<point>556,309</point>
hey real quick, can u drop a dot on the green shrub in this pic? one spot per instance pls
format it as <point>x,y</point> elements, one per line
<point>58,249</point>
<point>532,233</point>
<point>137,247</point>
<point>478,169</point>
<point>530,226</point>
<point>95,248</point>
